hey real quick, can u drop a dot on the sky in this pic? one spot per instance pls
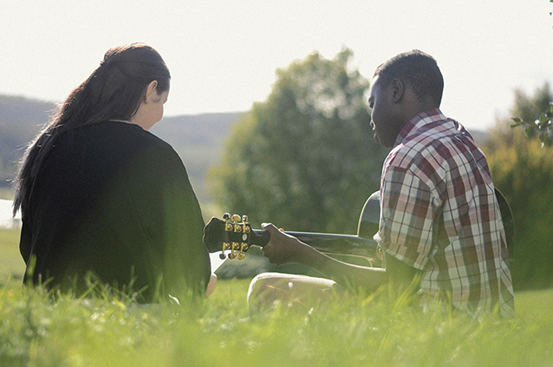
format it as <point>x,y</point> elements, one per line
<point>223,54</point>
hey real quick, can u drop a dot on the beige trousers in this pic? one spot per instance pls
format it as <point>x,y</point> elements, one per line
<point>268,288</point>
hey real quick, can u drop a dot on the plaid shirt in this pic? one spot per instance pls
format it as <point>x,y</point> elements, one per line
<point>439,214</point>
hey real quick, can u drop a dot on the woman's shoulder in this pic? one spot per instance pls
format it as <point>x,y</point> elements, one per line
<point>125,134</point>
<point>114,141</point>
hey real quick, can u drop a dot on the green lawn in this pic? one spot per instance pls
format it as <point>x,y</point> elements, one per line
<point>10,259</point>
<point>362,331</point>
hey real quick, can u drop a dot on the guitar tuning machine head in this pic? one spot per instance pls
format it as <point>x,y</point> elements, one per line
<point>228,224</point>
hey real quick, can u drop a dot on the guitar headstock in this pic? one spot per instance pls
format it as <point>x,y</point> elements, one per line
<point>233,234</point>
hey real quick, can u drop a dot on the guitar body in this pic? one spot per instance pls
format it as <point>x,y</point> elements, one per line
<point>370,217</point>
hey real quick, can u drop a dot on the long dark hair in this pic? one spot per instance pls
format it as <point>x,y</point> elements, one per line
<point>112,92</point>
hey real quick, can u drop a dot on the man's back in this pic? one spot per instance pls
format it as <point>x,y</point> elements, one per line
<point>440,215</point>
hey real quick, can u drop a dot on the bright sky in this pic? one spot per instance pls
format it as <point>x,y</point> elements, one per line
<point>223,54</point>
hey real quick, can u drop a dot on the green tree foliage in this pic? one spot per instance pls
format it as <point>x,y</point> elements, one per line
<point>535,116</point>
<point>304,159</point>
<point>523,171</point>
<point>540,124</point>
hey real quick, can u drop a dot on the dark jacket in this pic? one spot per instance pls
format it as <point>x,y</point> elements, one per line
<point>114,200</point>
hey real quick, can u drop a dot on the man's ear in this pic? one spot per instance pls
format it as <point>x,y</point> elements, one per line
<point>150,91</point>
<point>398,88</point>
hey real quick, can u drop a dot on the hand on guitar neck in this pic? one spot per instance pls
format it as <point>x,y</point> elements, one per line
<point>282,248</point>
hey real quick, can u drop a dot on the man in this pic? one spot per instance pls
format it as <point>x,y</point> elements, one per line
<point>440,224</point>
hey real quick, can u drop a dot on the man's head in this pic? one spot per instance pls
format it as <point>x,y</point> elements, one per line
<point>418,70</point>
<point>404,86</point>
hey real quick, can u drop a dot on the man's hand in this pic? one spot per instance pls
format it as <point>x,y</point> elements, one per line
<point>282,248</point>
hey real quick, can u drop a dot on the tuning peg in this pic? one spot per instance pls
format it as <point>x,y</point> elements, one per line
<point>236,221</point>
<point>228,225</point>
<point>245,224</point>
<point>243,248</point>
<point>233,247</point>
<point>226,246</point>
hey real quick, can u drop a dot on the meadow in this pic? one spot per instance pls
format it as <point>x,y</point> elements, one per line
<point>223,331</point>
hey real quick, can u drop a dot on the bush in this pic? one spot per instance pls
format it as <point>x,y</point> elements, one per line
<point>523,171</point>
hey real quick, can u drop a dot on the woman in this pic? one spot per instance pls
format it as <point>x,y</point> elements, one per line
<point>102,199</point>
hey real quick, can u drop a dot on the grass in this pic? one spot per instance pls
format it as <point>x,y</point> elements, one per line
<point>11,262</point>
<point>361,331</point>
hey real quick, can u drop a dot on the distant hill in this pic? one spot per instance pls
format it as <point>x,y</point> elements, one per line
<point>198,139</point>
<point>20,120</point>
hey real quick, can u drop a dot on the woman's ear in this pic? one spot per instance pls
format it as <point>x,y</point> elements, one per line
<point>150,91</point>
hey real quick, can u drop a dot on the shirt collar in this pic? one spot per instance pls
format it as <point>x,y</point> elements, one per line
<point>419,121</point>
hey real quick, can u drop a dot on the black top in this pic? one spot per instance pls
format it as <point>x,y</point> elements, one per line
<point>113,199</point>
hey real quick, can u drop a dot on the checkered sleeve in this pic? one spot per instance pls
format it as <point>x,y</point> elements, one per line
<point>408,213</point>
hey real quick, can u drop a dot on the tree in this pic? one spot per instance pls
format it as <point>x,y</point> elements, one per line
<point>305,158</point>
<point>536,116</point>
<point>541,125</point>
<point>522,168</point>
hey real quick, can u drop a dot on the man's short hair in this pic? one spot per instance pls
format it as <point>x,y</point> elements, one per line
<point>416,68</point>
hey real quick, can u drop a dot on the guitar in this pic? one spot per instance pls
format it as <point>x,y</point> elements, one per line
<point>233,236</point>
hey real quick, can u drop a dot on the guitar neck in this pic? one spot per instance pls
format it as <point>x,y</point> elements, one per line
<point>338,244</point>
